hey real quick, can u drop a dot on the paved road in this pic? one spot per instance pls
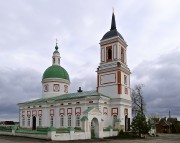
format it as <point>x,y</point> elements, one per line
<point>163,138</point>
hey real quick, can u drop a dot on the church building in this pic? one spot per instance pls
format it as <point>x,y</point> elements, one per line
<point>109,105</point>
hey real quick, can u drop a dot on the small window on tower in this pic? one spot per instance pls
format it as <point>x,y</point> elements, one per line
<point>53,60</point>
<point>122,55</point>
<point>125,79</point>
<point>56,87</point>
<point>58,60</point>
<point>65,88</point>
<point>109,54</point>
<point>46,88</point>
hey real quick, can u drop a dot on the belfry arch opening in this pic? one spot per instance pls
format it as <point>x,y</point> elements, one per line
<point>109,54</point>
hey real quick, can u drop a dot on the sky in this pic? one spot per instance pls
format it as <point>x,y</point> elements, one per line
<point>28,32</point>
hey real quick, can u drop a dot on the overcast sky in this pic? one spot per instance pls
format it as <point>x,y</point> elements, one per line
<point>28,29</point>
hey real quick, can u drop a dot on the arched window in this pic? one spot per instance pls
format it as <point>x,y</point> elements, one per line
<point>65,88</point>
<point>77,120</point>
<point>114,120</point>
<point>109,54</point>
<point>51,121</point>
<point>69,120</point>
<point>61,120</point>
<point>23,121</point>
<point>28,121</point>
<point>40,121</point>
<point>122,55</point>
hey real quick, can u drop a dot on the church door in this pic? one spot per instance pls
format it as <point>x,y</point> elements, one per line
<point>127,123</point>
<point>94,128</point>
<point>34,123</point>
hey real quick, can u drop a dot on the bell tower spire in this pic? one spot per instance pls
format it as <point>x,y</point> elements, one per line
<point>113,21</point>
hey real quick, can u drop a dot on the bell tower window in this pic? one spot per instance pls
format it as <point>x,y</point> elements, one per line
<point>122,55</point>
<point>53,60</point>
<point>109,54</point>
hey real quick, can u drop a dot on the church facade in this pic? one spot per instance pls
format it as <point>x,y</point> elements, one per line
<point>107,106</point>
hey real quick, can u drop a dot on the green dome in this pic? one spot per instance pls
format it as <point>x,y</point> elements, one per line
<point>56,71</point>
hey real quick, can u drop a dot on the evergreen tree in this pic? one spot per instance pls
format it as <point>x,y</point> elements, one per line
<point>139,124</point>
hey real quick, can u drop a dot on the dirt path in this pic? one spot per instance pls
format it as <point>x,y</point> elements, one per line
<point>163,138</point>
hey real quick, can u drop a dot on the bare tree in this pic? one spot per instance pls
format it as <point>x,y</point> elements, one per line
<point>138,103</point>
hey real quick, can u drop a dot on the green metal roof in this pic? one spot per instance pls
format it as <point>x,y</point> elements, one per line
<point>84,118</point>
<point>67,96</point>
<point>88,109</point>
<point>55,71</point>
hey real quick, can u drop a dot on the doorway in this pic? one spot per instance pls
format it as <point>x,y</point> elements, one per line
<point>127,123</point>
<point>94,128</point>
<point>34,123</point>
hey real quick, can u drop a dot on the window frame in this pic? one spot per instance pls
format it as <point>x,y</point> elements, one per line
<point>40,121</point>
<point>109,52</point>
<point>114,118</point>
<point>23,120</point>
<point>77,120</point>
<point>62,121</point>
<point>51,121</point>
<point>69,120</point>
<point>29,121</point>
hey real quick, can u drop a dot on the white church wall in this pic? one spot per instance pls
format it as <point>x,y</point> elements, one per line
<point>110,91</point>
<point>51,91</point>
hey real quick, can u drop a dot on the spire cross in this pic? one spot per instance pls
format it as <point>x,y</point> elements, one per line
<point>113,9</point>
<point>56,41</point>
<point>56,44</point>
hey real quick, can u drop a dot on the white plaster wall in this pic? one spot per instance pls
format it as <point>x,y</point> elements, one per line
<point>110,91</point>
<point>119,52</point>
<point>70,136</point>
<point>51,92</point>
<point>115,51</point>
<point>102,54</point>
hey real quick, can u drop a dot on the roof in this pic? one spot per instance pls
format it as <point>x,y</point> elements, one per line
<point>55,71</point>
<point>66,97</point>
<point>113,31</point>
<point>84,118</point>
<point>88,109</point>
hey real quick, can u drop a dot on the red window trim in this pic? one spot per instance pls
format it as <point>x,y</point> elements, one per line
<point>69,109</point>
<point>28,113</point>
<point>63,113</point>
<point>51,112</point>
<point>76,110</point>
<point>114,113</point>
<point>34,113</point>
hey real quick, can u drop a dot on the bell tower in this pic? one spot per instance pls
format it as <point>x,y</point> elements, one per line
<point>113,74</point>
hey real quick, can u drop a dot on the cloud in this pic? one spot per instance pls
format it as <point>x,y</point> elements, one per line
<point>17,85</point>
<point>161,78</point>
